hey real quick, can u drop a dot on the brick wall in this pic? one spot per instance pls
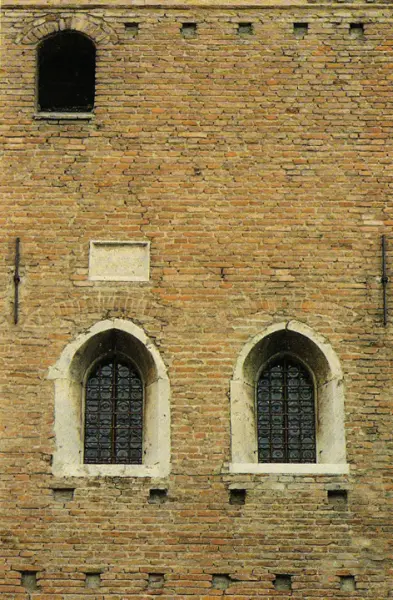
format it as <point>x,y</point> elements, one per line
<point>259,168</point>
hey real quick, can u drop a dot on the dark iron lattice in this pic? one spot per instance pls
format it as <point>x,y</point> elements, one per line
<point>286,413</point>
<point>114,414</point>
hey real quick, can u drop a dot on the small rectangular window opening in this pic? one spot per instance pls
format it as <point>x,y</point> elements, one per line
<point>300,30</point>
<point>338,499</point>
<point>356,30</point>
<point>189,30</point>
<point>237,496</point>
<point>93,580</point>
<point>283,583</point>
<point>156,581</point>
<point>132,29</point>
<point>347,583</point>
<point>29,580</point>
<point>158,496</point>
<point>245,29</point>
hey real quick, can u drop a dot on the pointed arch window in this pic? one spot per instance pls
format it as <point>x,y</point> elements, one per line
<point>286,413</point>
<point>113,413</point>
<point>287,404</point>
<point>117,423</point>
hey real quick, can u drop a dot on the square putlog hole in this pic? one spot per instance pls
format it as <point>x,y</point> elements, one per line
<point>189,30</point>
<point>283,583</point>
<point>221,581</point>
<point>347,583</point>
<point>156,581</point>
<point>93,580</point>
<point>300,30</point>
<point>132,29</point>
<point>237,497</point>
<point>245,29</point>
<point>63,494</point>
<point>356,30</point>
<point>29,581</point>
<point>338,499</point>
<point>158,496</point>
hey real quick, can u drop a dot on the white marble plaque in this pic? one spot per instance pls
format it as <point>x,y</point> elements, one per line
<point>119,261</point>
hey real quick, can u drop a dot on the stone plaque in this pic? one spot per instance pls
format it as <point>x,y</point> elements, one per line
<point>119,261</point>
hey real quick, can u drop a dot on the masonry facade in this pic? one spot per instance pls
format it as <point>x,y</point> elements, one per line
<point>213,214</point>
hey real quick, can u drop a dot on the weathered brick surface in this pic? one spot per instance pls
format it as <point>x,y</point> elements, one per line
<point>259,168</point>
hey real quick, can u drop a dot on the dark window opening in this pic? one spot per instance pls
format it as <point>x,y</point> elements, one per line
<point>286,413</point>
<point>66,73</point>
<point>113,413</point>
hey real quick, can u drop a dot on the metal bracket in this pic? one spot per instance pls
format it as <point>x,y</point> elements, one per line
<point>16,280</point>
<point>384,281</point>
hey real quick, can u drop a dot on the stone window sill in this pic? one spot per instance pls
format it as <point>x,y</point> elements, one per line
<point>290,469</point>
<point>112,471</point>
<point>63,116</point>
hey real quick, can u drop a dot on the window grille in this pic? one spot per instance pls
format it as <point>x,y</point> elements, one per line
<point>113,413</point>
<point>286,413</point>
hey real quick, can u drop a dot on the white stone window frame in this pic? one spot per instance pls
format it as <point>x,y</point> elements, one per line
<point>321,360</point>
<point>69,375</point>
